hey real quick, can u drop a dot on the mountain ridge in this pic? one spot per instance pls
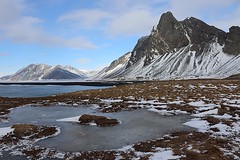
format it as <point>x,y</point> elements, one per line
<point>182,49</point>
<point>35,72</point>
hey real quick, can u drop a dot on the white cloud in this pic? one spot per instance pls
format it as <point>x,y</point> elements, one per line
<point>220,13</point>
<point>85,18</point>
<point>229,20</point>
<point>10,10</point>
<point>17,27</point>
<point>83,61</point>
<point>113,17</point>
<point>186,8</point>
<point>116,18</point>
<point>134,22</point>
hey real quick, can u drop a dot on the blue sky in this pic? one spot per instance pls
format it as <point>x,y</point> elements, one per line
<point>90,34</point>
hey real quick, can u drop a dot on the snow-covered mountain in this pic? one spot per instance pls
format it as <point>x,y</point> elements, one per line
<point>180,49</point>
<point>90,73</point>
<point>45,72</point>
<point>115,68</point>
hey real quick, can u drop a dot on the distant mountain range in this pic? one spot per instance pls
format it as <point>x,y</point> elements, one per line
<point>179,49</point>
<point>45,72</point>
<point>174,50</point>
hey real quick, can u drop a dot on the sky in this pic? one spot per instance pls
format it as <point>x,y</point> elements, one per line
<point>90,34</point>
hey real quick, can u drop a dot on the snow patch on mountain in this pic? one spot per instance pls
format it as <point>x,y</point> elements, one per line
<point>45,72</point>
<point>115,69</point>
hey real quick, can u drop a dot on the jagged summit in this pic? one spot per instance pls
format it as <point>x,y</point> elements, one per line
<point>167,20</point>
<point>182,49</point>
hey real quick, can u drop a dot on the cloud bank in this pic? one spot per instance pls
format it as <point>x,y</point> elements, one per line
<point>136,17</point>
<point>111,18</point>
<point>19,28</point>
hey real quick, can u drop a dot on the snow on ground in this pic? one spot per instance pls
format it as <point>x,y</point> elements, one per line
<point>70,119</point>
<point>4,131</point>
<point>223,129</point>
<point>229,86</point>
<point>26,143</point>
<point>147,102</point>
<point>111,100</point>
<point>158,154</point>
<point>209,112</point>
<point>224,116</point>
<point>167,112</point>
<point>198,123</point>
<point>197,104</point>
<point>176,102</point>
<point>163,154</point>
<point>53,135</point>
<point>232,105</point>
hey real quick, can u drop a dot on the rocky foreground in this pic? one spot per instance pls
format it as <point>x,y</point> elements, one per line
<point>214,106</point>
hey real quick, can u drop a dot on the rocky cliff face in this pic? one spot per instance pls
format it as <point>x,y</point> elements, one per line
<point>232,41</point>
<point>181,49</point>
<point>171,35</point>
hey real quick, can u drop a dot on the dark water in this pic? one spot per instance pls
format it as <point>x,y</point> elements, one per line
<point>136,126</point>
<point>39,90</point>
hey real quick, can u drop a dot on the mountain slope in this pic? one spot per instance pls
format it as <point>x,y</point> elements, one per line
<point>116,68</point>
<point>44,72</point>
<point>181,49</point>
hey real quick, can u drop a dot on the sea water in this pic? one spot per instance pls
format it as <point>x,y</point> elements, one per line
<point>40,90</point>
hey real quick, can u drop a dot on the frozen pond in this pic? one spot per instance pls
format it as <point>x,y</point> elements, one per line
<point>136,126</point>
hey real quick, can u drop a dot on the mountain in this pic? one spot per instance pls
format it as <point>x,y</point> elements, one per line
<point>45,72</point>
<point>180,49</point>
<point>115,68</point>
<point>90,73</point>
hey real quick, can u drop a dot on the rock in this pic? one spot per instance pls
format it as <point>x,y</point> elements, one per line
<point>232,41</point>
<point>87,118</point>
<point>23,130</point>
<point>172,34</point>
<point>102,121</point>
<point>171,31</point>
<point>28,132</point>
<point>234,77</point>
<point>107,122</point>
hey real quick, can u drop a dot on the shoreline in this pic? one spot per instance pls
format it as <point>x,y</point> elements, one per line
<point>68,83</point>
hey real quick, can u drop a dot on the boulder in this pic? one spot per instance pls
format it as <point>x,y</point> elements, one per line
<point>102,121</point>
<point>107,122</point>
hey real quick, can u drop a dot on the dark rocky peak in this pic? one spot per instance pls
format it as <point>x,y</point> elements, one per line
<point>166,22</point>
<point>139,50</point>
<point>200,32</point>
<point>171,31</point>
<point>234,33</point>
<point>192,33</point>
<point>164,38</point>
<point>232,45</point>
